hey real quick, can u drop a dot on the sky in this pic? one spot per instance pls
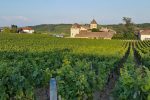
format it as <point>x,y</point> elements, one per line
<point>35,12</point>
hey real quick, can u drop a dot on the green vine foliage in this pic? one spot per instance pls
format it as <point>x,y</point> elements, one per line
<point>134,82</point>
<point>81,66</point>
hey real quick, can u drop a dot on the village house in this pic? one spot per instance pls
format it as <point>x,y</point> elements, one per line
<point>1,29</point>
<point>26,30</point>
<point>85,31</point>
<point>144,35</point>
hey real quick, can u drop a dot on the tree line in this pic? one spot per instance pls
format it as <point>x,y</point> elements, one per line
<point>12,29</point>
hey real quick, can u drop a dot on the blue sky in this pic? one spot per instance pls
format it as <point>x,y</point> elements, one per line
<point>33,12</point>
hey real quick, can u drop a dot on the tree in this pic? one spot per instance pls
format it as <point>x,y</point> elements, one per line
<point>95,30</point>
<point>6,30</point>
<point>129,28</point>
<point>14,28</point>
<point>127,20</point>
<point>125,31</point>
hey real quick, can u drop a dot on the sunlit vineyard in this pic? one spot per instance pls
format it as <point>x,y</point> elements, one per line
<point>143,52</point>
<point>80,66</point>
<point>134,81</point>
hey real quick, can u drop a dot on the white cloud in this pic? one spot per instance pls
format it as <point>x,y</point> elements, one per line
<point>15,18</point>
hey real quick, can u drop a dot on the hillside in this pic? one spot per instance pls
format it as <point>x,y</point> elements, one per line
<point>144,25</point>
<point>53,28</point>
<point>65,28</point>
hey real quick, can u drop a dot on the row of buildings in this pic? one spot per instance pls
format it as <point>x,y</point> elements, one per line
<point>88,31</point>
<point>85,31</point>
<point>91,31</point>
<point>20,30</point>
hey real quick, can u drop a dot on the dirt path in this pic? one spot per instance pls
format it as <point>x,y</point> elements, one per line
<point>106,94</point>
<point>136,57</point>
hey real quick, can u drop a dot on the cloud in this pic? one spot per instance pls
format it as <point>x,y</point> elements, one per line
<point>15,18</point>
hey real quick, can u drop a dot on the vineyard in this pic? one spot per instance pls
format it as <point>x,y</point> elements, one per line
<point>83,68</point>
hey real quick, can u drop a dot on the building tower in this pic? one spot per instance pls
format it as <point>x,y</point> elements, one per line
<point>93,24</point>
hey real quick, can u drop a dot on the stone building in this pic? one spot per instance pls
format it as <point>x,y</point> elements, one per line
<point>144,35</point>
<point>85,31</point>
<point>93,24</point>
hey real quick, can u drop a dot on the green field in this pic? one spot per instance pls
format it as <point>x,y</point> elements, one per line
<point>80,66</point>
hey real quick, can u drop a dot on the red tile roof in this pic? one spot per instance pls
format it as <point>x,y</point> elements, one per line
<point>76,25</point>
<point>27,28</point>
<point>145,32</point>
<point>93,22</point>
<point>104,35</point>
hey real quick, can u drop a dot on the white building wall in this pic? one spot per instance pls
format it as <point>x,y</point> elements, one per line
<point>145,37</point>
<point>83,29</point>
<point>28,31</point>
<point>93,26</point>
<point>75,31</point>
